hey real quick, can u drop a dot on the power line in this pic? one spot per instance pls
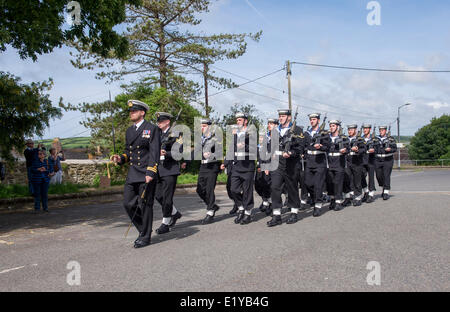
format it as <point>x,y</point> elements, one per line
<point>250,81</point>
<point>373,69</point>
<point>326,111</point>
<point>294,95</point>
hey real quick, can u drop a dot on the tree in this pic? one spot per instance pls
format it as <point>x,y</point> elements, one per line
<point>35,27</point>
<point>249,109</point>
<point>162,48</point>
<point>432,141</point>
<point>24,111</point>
<point>104,114</point>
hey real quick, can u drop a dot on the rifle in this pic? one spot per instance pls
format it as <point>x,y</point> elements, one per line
<point>166,140</point>
<point>321,133</point>
<point>288,138</point>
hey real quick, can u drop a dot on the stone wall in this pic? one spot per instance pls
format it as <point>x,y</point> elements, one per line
<point>78,171</point>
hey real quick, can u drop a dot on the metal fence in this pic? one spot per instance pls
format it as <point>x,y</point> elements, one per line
<point>426,162</point>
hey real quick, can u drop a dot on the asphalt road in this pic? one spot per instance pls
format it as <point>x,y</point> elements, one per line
<point>408,236</point>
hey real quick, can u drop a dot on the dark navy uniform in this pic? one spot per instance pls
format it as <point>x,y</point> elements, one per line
<point>336,168</point>
<point>168,172</point>
<point>229,169</point>
<point>368,169</point>
<point>263,180</point>
<point>384,161</point>
<point>316,165</point>
<point>292,141</point>
<point>242,178</point>
<point>142,150</point>
<point>354,170</point>
<point>209,170</point>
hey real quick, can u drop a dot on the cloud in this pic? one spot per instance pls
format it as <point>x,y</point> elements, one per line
<point>437,105</point>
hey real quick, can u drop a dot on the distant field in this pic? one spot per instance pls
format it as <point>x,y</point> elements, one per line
<point>68,143</point>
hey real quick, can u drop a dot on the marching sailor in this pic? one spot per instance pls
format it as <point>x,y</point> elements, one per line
<point>339,147</point>
<point>292,144</point>
<point>385,147</point>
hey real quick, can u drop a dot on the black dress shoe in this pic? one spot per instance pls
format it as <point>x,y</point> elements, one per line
<point>163,229</point>
<point>269,210</point>
<point>246,219</point>
<point>239,217</point>
<point>370,199</point>
<point>293,218</point>
<point>338,207</point>
<point>174,219</point>
<point>364,199</point>
<point>332,204</point>
<point>385,196</point>
<point>234,210</point>
<point>262,208</point>
<point>316,212</point>
<point>356,203</point>
<point>347,202</point>
<point>208,219</point>
<point>276,220</point>
<point>141,243</point>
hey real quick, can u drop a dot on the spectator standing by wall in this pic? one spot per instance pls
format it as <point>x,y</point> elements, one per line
<point>30,153</point>
<point>41,172</point>
<point>55,161</point>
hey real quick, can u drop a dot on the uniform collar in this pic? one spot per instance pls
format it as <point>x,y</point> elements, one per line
<point>139,123</point>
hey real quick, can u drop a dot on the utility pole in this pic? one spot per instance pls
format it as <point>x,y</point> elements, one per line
<point>205,77</point>
<point>398,129</point>
<point>288,73</point>
<point>112,124</point>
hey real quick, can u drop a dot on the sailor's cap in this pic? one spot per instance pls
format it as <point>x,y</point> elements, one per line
<point>284,112</point>
<point>314,115</point>
<point>135,105</point>
<point>272,120</point>
<point>206,121</point>
<point>383,127</point>
<point>335,121</point>
<point>241,115</point>
<point>161,116</point>
<point>366,125</point>
<point>352,126</point>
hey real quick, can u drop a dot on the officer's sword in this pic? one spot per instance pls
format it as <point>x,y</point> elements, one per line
<point>142,203</point>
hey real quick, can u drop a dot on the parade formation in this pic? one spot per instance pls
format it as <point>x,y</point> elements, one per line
<point>312,167</point>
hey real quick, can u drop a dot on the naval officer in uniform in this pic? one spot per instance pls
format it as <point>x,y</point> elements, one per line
<point>142,151</point>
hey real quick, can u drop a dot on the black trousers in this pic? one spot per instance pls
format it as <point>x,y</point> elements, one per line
<point>288,180</point>
<point>142,220</point>
<point>165,188</point>
<point>242,188</point>
<point>315,181</point>
<point>335,182</point>
<point>383,168</point>
<point>355,175</point>
<point>262,184</point>
<point>368,171</point>
<point>230,195</point>
<point>301,180</point>
<point>206,184</point>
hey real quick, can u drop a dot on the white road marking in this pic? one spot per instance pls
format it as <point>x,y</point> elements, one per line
<point>12,269</point>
